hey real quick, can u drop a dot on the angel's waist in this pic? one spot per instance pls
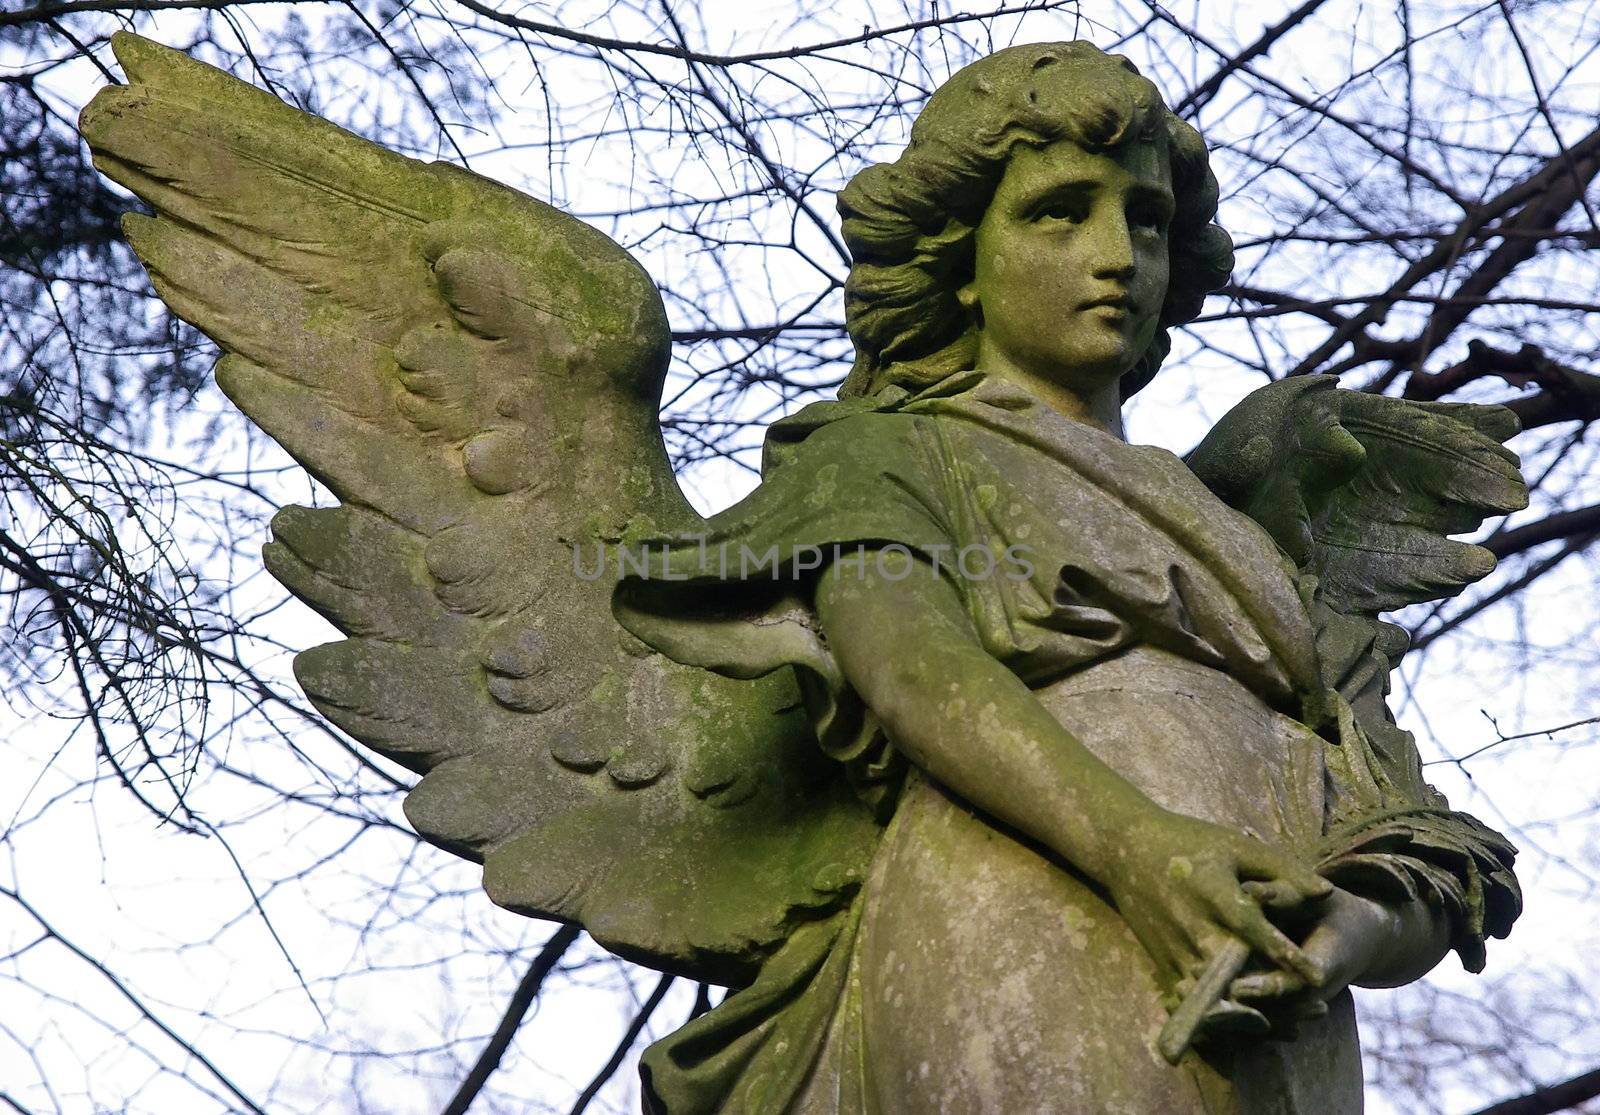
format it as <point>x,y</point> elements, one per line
<point>1195,740</point>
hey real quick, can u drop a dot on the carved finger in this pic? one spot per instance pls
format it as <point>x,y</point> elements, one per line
<point>1179,1032</point>
<point>1163,948</point>
<point>1262,986</point>
<point>1275,894</point>
<point>1230,1019</point>
<point>1246,919</point>
<point>1268,866</point>
<point>1180,991</point>
<point>1310,1009</point>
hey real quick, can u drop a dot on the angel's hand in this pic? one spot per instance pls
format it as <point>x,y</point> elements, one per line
<point>1188,888</point>
<point>1347,941</point>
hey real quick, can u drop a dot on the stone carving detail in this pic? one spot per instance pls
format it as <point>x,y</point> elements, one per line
<point>995,763</point>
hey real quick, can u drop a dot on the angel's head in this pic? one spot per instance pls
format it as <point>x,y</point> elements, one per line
<point>1050,209</point>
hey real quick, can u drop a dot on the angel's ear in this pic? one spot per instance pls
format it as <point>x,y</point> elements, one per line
<point>971,304</point>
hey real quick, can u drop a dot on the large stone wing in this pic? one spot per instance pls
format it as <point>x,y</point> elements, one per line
<point>475,376</point>
<point>1365,491</point>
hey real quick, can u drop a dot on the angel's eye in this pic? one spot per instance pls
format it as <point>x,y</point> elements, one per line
<point>1149,216</point>
<point>1147,220</point>
<point>1072,210</point>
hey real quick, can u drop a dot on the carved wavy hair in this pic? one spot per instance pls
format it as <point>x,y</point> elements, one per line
<point>910,224</point>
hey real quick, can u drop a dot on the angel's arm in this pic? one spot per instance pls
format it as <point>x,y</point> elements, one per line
<point>1363,493</point>
<point>1401,940</point>
<point>903,640</point>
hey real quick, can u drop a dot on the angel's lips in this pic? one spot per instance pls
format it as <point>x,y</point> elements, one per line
<point>1121,304</point>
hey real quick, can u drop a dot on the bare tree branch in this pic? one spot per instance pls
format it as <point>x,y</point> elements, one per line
<point>635,1028</point>
<point>521,999</point>
<point>1551,1099</point>
<point>1579,523</point>
<point>1196,99</point>
<point>138,1004</point>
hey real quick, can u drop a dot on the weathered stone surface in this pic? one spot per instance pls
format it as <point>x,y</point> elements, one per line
<point>998,764</point>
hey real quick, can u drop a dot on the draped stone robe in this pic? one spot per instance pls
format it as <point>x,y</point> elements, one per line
<point>975,971</point>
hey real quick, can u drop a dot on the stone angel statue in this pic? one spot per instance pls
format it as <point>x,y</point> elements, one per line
<point>995,764</point>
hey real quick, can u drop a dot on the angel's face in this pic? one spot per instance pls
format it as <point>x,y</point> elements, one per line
<point>1071,263</point>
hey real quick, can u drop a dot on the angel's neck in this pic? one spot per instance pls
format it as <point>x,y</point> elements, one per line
<point>1099,406</point>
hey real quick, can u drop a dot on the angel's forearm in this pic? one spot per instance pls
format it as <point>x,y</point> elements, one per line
<point>1411,937</point>
<point>961,716</point>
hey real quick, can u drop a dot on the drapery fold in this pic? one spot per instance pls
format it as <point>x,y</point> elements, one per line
<point>1067,547</point>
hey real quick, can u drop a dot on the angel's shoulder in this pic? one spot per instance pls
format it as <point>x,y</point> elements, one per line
<point>848,435</point>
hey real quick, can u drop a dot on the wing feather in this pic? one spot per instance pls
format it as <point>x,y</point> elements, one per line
<point>475,376</point>
<point>1430,470</point>
<point>1366,490</point>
